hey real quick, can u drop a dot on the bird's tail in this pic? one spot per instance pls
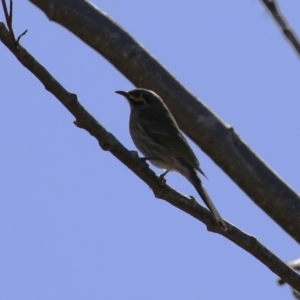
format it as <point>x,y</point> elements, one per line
<point>195,180</point>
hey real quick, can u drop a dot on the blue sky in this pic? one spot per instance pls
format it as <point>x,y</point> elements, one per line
<point>77,224</point>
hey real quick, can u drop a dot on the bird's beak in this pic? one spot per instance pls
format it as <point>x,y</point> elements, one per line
<point>125,94</point>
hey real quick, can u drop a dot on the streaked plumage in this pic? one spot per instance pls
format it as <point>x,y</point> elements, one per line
<point>155,133</point>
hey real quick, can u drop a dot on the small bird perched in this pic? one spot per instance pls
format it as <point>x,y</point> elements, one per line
<point>156,134</point>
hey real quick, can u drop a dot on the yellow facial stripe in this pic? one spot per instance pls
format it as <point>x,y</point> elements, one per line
<point>137,98</point>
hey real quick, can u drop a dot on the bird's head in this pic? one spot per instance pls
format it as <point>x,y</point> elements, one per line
<point>140,97</point>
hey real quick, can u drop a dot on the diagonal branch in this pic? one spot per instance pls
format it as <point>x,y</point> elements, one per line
<point>216,138</point>
<point>296,266</point>
<point>109,143</point>
<point>272,6</point>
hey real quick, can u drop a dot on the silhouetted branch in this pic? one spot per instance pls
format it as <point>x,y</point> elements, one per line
<point>295,265</point>
<point>272,6</point>
<point>109,143</point>
<point>9,21</point>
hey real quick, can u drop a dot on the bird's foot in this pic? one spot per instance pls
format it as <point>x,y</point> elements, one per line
<point>134,153</point>
<point>191,199</point>
<point>142,159</point>
<point>162,177</point>
<point>163,181</point>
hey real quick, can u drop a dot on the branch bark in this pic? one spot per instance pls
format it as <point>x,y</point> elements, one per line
<point>109,143</point>
<point>272,6</point>
<point>213,136</point>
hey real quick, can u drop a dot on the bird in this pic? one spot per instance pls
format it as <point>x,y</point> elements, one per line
<point>157,136</point>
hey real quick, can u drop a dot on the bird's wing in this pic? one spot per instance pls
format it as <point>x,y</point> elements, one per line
<point>162,128</point>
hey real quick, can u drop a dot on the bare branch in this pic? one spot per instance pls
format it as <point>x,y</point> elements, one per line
<point>272,6</point>
<point>216,138</point>
<point>9,17</point>
<point>9,21</point>
<point>296,266</point>
<point>19,37</point>
<point>109,143</point>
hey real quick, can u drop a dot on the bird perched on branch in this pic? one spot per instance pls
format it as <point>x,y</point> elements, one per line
<point>155,133</point>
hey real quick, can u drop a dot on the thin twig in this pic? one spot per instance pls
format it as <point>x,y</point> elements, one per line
<point>9,22</point>
<point>11,11</point>
<point>8,18</point>
<point>282,23</point>
<point>18,39</point>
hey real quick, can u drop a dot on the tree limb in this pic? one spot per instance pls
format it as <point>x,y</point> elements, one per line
<point>272,6</point>
<point>9,20</point>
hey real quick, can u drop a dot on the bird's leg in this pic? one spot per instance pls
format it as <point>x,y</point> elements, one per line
<point>135,153</point>
<point>162,177</point>
<point>144,159</point>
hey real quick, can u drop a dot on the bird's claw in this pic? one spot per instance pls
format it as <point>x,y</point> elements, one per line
<point>163,181</point>
<point>134,153</point>
<point>191,199</point>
